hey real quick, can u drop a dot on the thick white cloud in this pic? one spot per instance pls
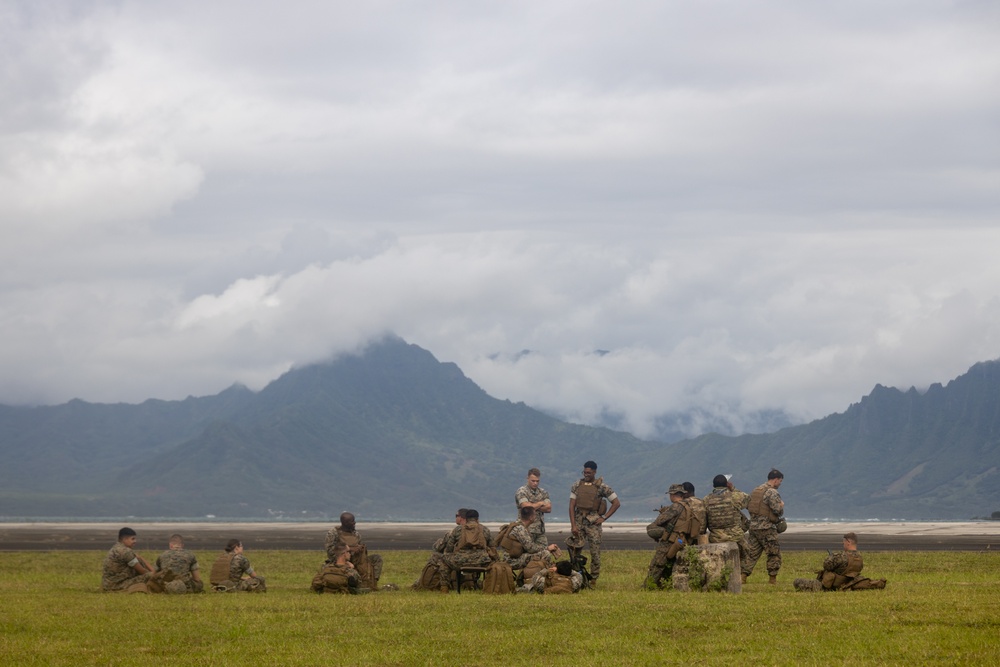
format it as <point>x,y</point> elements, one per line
<point>715,206</point>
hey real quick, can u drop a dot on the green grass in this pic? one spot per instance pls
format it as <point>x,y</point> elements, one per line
<point>939,608</point>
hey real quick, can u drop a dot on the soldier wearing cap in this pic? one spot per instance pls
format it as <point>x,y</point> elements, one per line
<point>669,540</point>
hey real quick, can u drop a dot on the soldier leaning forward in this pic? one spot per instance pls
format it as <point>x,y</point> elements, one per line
<point>672,529</point>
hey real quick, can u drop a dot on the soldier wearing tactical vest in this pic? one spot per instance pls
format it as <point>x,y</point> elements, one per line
<point>841,571</point>
<point>670,529</point>
<point>475,548</point>
<point>233,572</point>
<point>699,525</point>
<point>766,513</point>
<point>368,565</point>
<point>724,514</point>
<point>339,574</point>
<point>518,546</point>
<point>587,498</point>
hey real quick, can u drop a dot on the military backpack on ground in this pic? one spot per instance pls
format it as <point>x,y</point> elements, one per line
<point>332,578</point>
<point>499,579</point>
<point>556,584</point>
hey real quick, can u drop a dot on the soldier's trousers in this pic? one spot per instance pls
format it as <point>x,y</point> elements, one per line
<point>661,566</point>
<point>590,535</point>
<point>760,542</point>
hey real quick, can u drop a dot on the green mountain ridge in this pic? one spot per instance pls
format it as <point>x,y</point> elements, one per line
<point>392,433</point>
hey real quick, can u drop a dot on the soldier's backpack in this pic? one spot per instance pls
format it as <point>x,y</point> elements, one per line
<point>556,584</point>
<point>331,578</point>
<point>534,566</point>
<point>508,543</point>
<point>359,558</point>
<point>429,580</point>
<point>499,579</point>
<point>472,537</point>
<point>696,519</point>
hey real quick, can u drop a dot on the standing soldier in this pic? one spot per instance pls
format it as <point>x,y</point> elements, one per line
<point>669,529</point>
<point>724,510</point>
<point>766,513</point>
<point>531,495</point>
<point>587,501</point>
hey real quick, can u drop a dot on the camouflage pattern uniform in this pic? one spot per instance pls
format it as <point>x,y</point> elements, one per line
<point>333,540</point>
<point>117,571</point>
<point>462,557</point>
<point>530,546</point>
<point>183,564</point>
<point>590,532</point>
<point>537,583</point>
<point>528,495</point>
<point>763,537</point>
<point>662,565</point>
<point>725,522</point>
<point>238,566</point>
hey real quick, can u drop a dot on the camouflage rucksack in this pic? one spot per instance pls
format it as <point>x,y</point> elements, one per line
<point>504,540</point>
<point>499,579</point>
<point>472,537</point>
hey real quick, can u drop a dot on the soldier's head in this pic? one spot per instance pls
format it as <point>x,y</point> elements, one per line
<point>850,542</point>
<point>589,471</point>
<point>676,492</point>
<point>688,489</point>
<point>720,482</point>
<point>472,515</point>
<point>565,568</point>
<point>176,541</point>
<point>534,477</point>
<point>232,545</point>
<point>341,554</point>
<point>460,516</point>
<point>528,514</point>
<point>775,478</point>
<point>127,537</point>
<point>347,521</point>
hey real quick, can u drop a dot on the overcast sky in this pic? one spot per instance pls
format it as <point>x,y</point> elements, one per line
<point>747,205</point>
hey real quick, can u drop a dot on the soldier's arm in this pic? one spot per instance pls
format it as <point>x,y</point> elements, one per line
<point>141,565</point>
<point>572,513</point>
<point>774,501</point>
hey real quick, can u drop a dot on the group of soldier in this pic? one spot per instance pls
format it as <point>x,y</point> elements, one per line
<point>176,570</point>
<point>521,551</point>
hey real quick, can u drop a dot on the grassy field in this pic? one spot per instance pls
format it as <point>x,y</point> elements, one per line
<point>939,608</point>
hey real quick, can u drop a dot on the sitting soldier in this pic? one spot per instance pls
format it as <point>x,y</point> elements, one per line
<point>232,572</point>
<point>125,570</point>
<point>841,571</point>
<point>475,548</point>
<point>340,575</point>
<point>518,546</point>
<point>369,566</point>
<point>429,579</point>
<point>184,565</point>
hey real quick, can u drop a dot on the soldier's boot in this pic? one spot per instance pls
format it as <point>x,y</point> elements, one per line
<point>773,580</point>
<point>743,577</point>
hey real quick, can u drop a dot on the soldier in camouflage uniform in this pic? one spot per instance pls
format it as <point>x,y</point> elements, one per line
<point>232,571</point>
<point>347,535</point>
<point>585,500</point>
<point>766,511</point>
<point>339,576</point>
<point>475,547</point>
<point>724,511</point>
<point>123,569</point>
<point>531,495</point>
<point>669,541</point>
<point>841,571</point>
<point>446,544</point>
<point>184,565</point>
<point>520,545</point>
